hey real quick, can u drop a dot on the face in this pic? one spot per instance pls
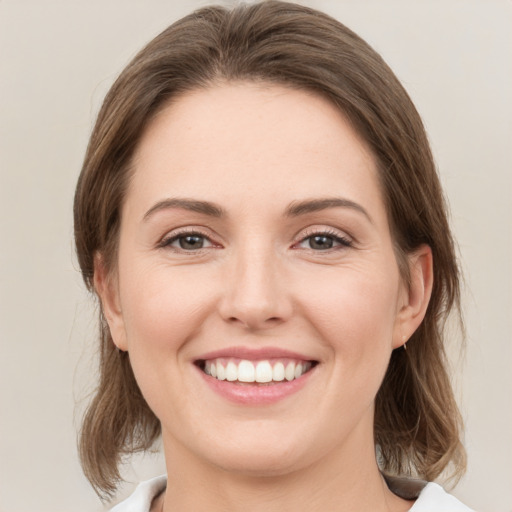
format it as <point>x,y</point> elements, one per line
<point>257,291</point>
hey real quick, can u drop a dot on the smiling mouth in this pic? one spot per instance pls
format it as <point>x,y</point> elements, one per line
<point>261,372</point>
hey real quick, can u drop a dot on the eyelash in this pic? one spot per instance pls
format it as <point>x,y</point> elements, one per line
<point>344,242</point>
<point>167,242</point>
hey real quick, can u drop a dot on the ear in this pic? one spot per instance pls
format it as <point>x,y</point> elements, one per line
<point>415,296</point>
<point>106,286</point>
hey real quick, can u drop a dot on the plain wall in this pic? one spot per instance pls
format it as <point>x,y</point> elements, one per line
<point>57,60</point>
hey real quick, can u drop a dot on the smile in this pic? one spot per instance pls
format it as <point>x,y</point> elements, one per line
<point>265,371</point>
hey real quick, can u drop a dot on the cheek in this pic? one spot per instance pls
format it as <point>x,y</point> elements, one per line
<point>355,312</point>
<point>163,308</point>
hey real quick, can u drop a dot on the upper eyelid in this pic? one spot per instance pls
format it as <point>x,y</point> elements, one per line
<point>172,236</point>
<point>322,230</point>
<point>186,230</point>
<point>299,237</point>
<point>343,239</point>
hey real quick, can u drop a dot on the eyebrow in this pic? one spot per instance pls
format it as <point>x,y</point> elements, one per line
<point>193,205</point>
<point>297,208</point>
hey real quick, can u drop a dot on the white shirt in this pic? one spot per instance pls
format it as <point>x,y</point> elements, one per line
<point>433,498</point>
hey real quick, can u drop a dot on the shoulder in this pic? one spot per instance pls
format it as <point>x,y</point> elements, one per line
<point>434,497</point>
<point>429,496</point>
<point>144,494</point>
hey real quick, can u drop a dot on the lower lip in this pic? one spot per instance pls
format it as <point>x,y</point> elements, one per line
<point>253,394</point>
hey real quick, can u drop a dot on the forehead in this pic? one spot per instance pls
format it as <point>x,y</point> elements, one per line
<point>233,140</point>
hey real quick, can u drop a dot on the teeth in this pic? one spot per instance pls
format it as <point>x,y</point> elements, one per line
<point>221,371</point>
<point>289,372</point>
<point>263,372</point>
<point>278,372</point>
<point>246,371</point>
<point>231,372</point>
<point>251,371</point>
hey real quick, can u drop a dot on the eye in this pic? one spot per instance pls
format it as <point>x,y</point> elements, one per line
<point>324,241</point>
<point>187,241</point>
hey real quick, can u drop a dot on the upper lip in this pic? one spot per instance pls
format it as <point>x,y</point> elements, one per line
<point>254,354</point>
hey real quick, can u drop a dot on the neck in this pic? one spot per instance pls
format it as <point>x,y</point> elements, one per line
<point>350,482</point>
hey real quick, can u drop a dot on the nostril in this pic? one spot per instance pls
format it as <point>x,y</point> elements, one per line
<point>255,323</point>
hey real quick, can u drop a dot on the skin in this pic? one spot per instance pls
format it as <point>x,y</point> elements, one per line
<point>259,281</point>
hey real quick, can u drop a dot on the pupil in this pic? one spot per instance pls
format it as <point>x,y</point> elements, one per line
<point>191,242</point>
<point>321,242</point>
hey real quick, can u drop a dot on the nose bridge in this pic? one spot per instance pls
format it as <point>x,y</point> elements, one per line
<point>254,294</point>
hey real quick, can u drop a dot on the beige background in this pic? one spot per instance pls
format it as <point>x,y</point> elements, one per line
<point>57,59</point>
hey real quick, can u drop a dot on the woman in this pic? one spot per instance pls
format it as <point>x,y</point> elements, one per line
<point>261,219</point>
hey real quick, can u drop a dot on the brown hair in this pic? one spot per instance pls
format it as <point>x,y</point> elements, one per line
<point>417,423</point>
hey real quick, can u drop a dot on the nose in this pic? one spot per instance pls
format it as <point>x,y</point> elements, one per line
<point>255,294</point>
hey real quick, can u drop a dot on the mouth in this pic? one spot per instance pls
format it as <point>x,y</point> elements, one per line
<point>262,372</point>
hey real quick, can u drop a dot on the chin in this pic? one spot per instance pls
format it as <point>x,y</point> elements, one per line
<point>251,463</point>
<point>260,452</point>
